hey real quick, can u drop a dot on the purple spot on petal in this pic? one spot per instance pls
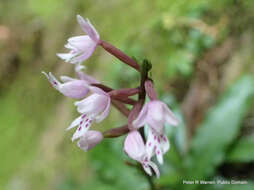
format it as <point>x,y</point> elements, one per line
<point>81,122</point>
<point>165,139</point>
<point>86,125</point>
<point>159,141</point>
<point>79,128</point>
<point>158,152</point>
<point>154,137</point>
<point>83,116</point>
<point>86,120</point>
<point>155,147</point>
<point>55,83</point>
<point>149,144</point>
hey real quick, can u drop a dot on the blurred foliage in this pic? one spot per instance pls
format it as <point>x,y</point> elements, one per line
<point>202,56</point>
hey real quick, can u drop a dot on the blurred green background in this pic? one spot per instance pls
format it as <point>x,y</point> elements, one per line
<point>202,53</point>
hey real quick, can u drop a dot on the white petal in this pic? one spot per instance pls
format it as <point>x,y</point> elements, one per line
<point>147,169</point>
<point>165,145</point>
<point>54,82</point>
<point>150,144</point>
<point>65,56</point>
<point>159,155</point>
<point>155,168</point>
<point>75,123</point>
<point>83,128</point>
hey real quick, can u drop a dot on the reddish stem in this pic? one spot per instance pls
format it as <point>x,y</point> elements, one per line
<point>124,92</point>
<point>119,54</point>
<point>125,100</point>
<point>116,132</point>
<point>121,107</point>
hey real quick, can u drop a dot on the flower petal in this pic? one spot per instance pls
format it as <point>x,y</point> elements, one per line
<point>155,168</point>
<point>159,154</point>
<point>84,125</point>
<point>147,169</point>
<point>54,82</point>
<point>90,139</point>
<point>165,145</point>
<point>105,113</point>
<point>74,89</point>
<point>141,119</point>
<point>93,104</point>
<point>88,28</point>
<point>75,123</point>
<point>66,79</point>
<point>87,78</point>
<point>134,146</point>
<point>150,144</point>
<point>65,56</point>
<point>84,55</point>
<point>169,116</point>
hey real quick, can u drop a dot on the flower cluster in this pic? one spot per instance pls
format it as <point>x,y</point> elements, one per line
<point>95,100</point>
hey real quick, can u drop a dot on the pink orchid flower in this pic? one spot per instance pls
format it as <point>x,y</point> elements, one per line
<point>135,148</point>
<point>70,87</point>
<point>155,114</point>
<point>89,140</point>
<point>81,47</point>
<point>93,108</point>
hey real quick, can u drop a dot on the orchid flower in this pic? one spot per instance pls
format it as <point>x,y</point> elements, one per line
<point>70,87</point>
<point>89,140</point>
<point>135,149</point>
<point>155,114</point>
<point>93,108</point>
<point>81,47</point>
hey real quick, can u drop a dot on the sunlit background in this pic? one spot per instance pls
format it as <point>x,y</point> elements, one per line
<point>202,53</point>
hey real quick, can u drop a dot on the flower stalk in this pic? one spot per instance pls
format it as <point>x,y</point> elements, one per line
<point>119,54</point>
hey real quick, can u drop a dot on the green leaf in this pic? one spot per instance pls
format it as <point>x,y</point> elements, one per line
<point>219,129</point>
<point>243,151</point>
